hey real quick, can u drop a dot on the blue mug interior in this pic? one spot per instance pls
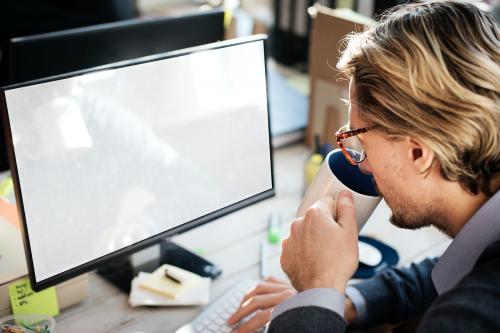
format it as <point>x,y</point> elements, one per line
<point>350,175</point>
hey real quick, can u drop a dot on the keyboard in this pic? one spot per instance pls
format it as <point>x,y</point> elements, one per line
<point>213,318</point>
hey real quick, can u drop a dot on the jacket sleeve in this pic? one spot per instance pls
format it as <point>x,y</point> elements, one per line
<point>308,319</point>
<point>397,294</point>
<point>472,306</point>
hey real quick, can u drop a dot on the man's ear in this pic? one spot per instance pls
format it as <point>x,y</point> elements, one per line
<point>419,154</point>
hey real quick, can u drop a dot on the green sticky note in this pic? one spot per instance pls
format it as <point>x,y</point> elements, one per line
<point>25,301</point>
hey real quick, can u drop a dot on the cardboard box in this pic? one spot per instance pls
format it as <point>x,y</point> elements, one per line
<point>329,27</point>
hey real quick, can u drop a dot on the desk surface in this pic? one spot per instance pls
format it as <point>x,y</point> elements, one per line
<point>232,242</point>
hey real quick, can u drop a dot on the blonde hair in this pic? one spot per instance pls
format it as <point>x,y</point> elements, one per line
<point>432,71</point>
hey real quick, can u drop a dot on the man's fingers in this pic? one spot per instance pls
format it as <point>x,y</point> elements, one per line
<point>325,205</point>
<point>265,288</point>
<point>260,319</point>
<point>251,305</point>
<point>346,211</point>
<point>259,302</point>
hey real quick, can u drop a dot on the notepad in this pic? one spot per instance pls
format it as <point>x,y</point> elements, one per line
<point>197,295</point>
<point>157,282</point>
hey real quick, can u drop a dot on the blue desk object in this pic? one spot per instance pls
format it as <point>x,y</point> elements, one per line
<point>390,258</point>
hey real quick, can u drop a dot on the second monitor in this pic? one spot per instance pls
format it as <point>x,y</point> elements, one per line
<point>61,52</point>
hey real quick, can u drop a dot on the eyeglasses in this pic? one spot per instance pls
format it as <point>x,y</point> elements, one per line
<point>350,144</point>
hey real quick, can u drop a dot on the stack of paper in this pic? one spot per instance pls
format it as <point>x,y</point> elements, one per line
<point>155,289</point>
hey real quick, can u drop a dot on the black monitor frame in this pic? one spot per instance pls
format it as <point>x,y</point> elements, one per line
<point>126,251</point>
<point>59,52</point>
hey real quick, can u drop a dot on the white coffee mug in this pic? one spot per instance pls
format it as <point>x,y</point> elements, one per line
<point>337,174</point>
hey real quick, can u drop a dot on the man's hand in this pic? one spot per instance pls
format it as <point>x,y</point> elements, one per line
<point>321,252</point>
<point>261,300</point>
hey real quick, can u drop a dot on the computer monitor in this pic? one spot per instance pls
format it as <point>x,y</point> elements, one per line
<point>108,161</point>
<point>48,54</point>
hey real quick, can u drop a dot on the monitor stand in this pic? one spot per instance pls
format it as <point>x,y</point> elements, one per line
<point>120,272</point>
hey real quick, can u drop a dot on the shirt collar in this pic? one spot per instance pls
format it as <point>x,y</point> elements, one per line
<point>477,234</point>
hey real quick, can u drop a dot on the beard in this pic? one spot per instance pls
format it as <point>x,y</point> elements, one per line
<point>404,222</point>
<point>408,214</point>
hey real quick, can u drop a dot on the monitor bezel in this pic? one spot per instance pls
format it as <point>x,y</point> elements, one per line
<point>128,250</point>
<point>112,25</point>
<point>101,29</point>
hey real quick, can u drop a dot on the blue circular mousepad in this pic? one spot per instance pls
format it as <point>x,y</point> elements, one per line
<point>390,258</point>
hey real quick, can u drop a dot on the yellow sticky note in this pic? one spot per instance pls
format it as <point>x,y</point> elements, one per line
<point>228,17</point>
<point>6,187</point>
<point>25,301</point>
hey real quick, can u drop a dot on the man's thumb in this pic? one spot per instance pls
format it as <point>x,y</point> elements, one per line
<point>346,212</point>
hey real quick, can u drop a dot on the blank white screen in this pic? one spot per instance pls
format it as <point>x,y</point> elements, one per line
<point>111,158</point>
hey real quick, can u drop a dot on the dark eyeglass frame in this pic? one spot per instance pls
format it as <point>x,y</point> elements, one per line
<point>342,135</point>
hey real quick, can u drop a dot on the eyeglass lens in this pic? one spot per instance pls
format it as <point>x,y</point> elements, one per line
<point>354,148</point>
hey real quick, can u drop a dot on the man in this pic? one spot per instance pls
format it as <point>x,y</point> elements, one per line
<point>425,108</point>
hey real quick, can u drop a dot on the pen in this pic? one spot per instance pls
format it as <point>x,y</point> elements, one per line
<point>173,278</point>
<point>263,257</point>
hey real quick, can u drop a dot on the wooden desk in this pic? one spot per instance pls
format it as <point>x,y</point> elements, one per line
<point>232,242</point>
